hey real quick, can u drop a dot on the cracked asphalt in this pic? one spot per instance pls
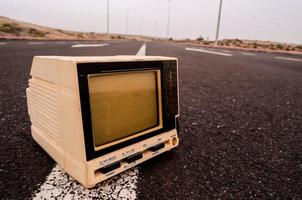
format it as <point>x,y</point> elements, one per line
<point>240,126</point>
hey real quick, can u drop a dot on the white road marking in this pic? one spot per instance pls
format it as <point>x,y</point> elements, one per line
<point>142,50</point>
<point>88,45</point>
<point>59,185</point>
<point>225,51</point>
<point>210,52</point>
<point>33,43</point>
<point>291,59</point>
<point>248,54</point>
<point>3,43</point>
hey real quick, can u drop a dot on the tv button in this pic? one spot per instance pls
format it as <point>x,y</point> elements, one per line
<point>110,167</point>
<point>133,157</point>
<point>157,147</point>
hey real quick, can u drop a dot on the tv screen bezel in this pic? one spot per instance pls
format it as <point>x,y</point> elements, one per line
<point>159,123</point>
<point>85,69</point>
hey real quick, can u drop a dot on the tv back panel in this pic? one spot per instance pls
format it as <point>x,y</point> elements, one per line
<point>99,116</point>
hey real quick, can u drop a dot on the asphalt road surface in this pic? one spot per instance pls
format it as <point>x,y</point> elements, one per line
<point>240,124</point>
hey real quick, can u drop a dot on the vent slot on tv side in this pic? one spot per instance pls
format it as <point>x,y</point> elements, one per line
<point>43,103</point>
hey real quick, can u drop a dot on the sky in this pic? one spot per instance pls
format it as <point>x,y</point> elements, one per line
<point>269,20</point>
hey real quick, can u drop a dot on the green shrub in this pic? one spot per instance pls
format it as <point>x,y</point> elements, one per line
<point>237,44</point>
<point>273,48</point>
<point>36,33</point>
<point>239,41</point>
<point>255,45</point>
<point>11,28</point>
<point>264,45</point>
<point>200,38</point>
<point>80,35</point>
<point>279,46</point>
<point>299,47</point>
<point>60,30</point>
<point>91,35</point>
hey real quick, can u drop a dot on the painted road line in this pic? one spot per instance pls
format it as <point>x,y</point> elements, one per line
<point>59,185</point>
<point>88,45</point>
<point>210,52</point>
<point>225,51</point>
<point>35,43</point>
<point>248,54</point>
<point>290,59</point>
<point>3,43</point>
<point>142,50</point>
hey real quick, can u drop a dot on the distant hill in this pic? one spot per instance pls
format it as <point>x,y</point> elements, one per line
<point>250,45</point>
<point>10,28</point>
<point>15,29</point>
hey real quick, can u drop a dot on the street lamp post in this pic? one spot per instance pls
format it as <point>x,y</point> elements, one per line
<point>127,21</point>
<point>108,17</point>
<point>169,15</point>
<point>218,23</point>
<point>141,26</point>
<point>155,33</point>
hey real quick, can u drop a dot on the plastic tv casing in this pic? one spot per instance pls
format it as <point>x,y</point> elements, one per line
<point>55,106</point>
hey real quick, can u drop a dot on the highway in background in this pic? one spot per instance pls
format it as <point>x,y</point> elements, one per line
<point>240,124</point>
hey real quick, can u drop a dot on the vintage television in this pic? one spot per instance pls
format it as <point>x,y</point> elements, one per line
<point>99,116</point>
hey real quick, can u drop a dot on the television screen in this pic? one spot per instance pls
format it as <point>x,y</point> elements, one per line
<point>123,104</point>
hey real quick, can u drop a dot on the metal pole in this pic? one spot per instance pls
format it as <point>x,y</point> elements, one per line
<point>169,15</point>
<point>218,23</point>
<point>107,16</point>
<point>141,26</point>
<point>127,21</point>
<point>155,34</point>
